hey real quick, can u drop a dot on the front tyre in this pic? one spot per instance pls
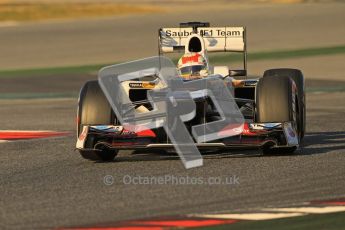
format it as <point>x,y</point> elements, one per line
<point>297,76</point>
<point>94,109</point>
<point>276,102</point>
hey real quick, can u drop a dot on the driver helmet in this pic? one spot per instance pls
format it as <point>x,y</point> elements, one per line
<point>192,66</point>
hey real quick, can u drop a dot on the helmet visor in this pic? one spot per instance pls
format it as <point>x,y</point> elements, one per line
<point>192,70</point>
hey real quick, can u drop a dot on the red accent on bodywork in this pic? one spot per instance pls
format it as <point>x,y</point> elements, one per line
<point>247,131</point>
<point>229,129</point>
<point>146,133</point>
<point>192,58</point>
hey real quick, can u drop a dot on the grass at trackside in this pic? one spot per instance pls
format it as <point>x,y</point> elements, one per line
<point>331,221</point>
<point>6,96</point>
<point>215,59</point>
<point>282,54</point>
<point>41,11</point>
<point>52,71</point>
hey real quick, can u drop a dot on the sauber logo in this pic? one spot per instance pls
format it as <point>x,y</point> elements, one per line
<point>204,33</point>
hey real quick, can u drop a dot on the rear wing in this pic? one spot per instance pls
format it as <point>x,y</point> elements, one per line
<point>216,39</point>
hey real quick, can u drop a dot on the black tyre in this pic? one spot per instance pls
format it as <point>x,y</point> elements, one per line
<point>297,76</point>
<point>94,109</point>
<point>276,102</point>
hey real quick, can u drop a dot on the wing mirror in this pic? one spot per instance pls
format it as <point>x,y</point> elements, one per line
<point>239,72</point>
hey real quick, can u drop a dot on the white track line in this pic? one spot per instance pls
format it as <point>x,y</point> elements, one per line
<point>310,210</point>
<point>3,141</point>
<point>275,213</point>
<point>252,216</point>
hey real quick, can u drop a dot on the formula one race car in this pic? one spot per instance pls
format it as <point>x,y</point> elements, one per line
<point>273,107</point>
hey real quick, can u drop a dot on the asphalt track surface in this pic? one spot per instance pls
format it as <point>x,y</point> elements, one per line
<point>45,184</point>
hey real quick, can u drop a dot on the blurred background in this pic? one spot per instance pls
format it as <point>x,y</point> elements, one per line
<point>77,37</point>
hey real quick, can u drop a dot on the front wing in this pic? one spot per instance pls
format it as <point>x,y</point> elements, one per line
<point>254,135</point>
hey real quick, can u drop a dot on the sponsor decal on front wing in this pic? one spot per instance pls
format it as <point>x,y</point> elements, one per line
<point>82,137</point>
<point>290,134</point>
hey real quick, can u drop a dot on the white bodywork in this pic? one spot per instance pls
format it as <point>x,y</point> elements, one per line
<point>217,39</point>
<point>220,70</point>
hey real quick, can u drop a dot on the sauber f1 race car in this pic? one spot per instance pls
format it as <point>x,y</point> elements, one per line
<point>273,106</point>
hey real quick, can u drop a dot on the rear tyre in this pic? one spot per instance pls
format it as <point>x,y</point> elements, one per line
<point>297,76</point>
<point>276,102</point>
<point>94,109</point>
